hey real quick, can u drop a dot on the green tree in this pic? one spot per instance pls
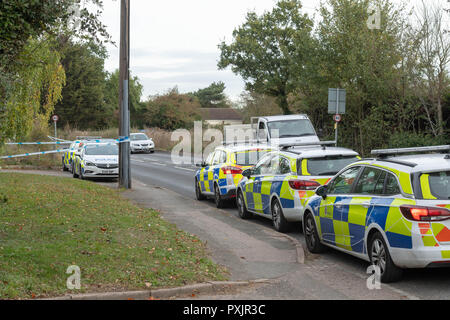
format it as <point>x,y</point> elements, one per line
<point>212,96</point>
<point>82,105</point>
<point>172,111</point>
<point>137,107</point>
<point>271,51</point>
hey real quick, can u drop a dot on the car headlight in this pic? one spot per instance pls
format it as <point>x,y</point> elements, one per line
<point>89,164</point>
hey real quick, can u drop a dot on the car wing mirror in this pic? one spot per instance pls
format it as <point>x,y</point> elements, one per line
<point>247,173</point>
<point>202,164</point>
<point>322,191</point>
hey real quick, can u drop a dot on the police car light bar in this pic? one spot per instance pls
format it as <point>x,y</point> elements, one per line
<point>88,138</point>
<point>386,152</point>
<point>306,144</point>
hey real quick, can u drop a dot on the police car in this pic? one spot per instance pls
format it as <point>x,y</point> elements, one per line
<point>222,171</point>
<point>69,157</point>
<point>139,142</point>
<point>392,211</point>
<point>280,183</point>
<point>100,160</point>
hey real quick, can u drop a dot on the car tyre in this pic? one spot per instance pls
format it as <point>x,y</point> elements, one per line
<point>311,235</point>
<point>279,221</point>
<point>198,193</point>
<point>379,256</point>
<point>81,176</point>
<point>74,173</point>
<point>242,209</point>
<point>64,168</point>
<point>220,203</point>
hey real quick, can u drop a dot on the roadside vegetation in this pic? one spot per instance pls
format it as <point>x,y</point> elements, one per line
<point>48,224</point>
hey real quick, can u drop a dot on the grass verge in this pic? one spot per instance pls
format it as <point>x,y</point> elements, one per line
<point>48,224</point>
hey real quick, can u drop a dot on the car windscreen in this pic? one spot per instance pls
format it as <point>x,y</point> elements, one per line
<point>102,150</point>
<point>291,128</point>
<point>138,137</point>
<point>326,166</point>
<point>435,185</point>
<point>249,157</point>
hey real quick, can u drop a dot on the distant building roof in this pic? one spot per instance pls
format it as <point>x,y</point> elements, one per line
<point>220,114</point>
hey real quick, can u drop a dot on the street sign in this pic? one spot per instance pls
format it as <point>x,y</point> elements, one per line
<point>55,118</point>
<point>336,101</point>
<point>337,118</point>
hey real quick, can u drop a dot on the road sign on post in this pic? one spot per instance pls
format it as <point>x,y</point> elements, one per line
<point>336,106</point>
<point>55,119</point>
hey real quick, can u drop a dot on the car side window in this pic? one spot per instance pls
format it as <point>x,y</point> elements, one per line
<point>392,186</point>
<point>284,166</point>
<point>371,181</point>
<point>263,165</point>
<point>209,159</point>
<point>223,157</point>
<point>343,183</point>
<point>217,157</point>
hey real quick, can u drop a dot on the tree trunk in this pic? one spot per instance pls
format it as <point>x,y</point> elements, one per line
<point>283,103</point>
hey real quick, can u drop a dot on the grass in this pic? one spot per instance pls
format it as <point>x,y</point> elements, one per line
<point>48,224</point>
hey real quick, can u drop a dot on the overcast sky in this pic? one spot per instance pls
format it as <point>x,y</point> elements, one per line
<point>174,42</point>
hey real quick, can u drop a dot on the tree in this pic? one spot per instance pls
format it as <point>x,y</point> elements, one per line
<point>82,105</point>
<point>212,96</point>
<point>270,52</point>
<point>28,58</point>
<point>434,56</point>
<point>172,111</point>
<point>137,107</point>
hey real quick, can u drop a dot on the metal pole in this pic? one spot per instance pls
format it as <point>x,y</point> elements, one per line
<point>336,123</point>
<point>124,121</point>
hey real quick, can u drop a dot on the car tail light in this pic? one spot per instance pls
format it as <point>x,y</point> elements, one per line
<point>231,170</point>
<point>419,213</point>
<point>303,184</point>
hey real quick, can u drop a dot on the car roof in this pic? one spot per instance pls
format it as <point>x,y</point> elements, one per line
<point>318,152</point>
<point>285,117</point>
<point>415,163</point>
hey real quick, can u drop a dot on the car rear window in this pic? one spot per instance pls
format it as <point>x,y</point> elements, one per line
<point>326,166</point>
<point>435,185</point>
<point>249,157</point>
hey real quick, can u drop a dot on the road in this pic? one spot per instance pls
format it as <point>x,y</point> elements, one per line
<point>158,170</point>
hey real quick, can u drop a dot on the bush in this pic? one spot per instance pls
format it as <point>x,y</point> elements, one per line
<point>411,139</point>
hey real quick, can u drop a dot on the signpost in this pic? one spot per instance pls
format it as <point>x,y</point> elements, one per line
<point>55,119</point>
<point>336,106</point>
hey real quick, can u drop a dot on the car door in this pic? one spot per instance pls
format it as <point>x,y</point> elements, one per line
<point>368,203</point>
<point>253,183</point>
<point>333,210</point>
<point>205,174</point>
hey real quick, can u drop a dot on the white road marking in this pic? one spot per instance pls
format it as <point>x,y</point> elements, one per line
<point>187,169</point>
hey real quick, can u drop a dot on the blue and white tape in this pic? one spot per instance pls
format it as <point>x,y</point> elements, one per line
<point>34,154</point>
<point>61,142</point>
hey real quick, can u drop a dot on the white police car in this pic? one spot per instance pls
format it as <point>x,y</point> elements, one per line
<point>393,211</point>
<point>97,160</point>
<point>141,143</point>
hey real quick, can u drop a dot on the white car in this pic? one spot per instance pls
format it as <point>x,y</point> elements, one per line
<point>141,143</point>
<point>97,160</point>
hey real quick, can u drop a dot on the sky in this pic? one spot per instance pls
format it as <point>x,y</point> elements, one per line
<point>175,42</point>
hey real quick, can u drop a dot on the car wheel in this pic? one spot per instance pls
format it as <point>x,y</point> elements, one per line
<point>64,168</point>
<point>380,257</point>
<point>279,221</point>
<point>311,236</point>
<point>74,172</point>
<point>242,209</point>
<point>217,197</point>
<point>198,193</point>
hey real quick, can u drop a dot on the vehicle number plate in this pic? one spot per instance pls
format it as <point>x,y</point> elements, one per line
<point>107,171</point>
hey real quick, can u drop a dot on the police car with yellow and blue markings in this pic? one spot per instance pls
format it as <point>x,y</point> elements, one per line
<point>222,170</point>
<point>280,183</point>
<point>393,211</point>
<point>97,160</point>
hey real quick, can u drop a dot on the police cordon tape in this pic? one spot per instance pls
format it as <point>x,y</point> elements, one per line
<point>120,140</point>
